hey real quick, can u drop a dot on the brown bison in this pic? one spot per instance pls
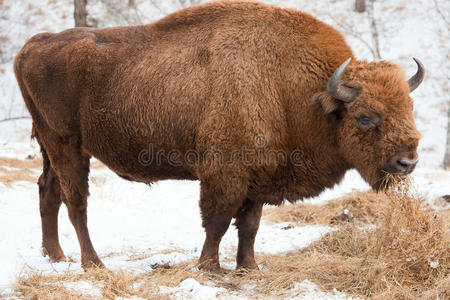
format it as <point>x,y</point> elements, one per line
<point>259,103</point>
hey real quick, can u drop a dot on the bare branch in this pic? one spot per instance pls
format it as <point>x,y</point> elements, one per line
<point>374,30</point>
<point>163,12</point>
<point>349,30</point>
<point>447,144</point>
<point>116,12</point>
<point>15,118</point>
<point>373,46</point>
<point>439,11</point>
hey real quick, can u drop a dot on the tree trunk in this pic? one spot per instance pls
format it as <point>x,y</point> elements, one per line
<point>374,30</point>
<point>80,13</point>
<point>360,6</point>
<point>447,144</point>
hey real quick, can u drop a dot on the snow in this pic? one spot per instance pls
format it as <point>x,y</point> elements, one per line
<point>305,290</point>
<point>191,289</point>
<point>161,223</point>
<point>84,287</point>
<point>310,291</point>
<point>432,184</point>
<point>272,240</point>
<point>434,264</point>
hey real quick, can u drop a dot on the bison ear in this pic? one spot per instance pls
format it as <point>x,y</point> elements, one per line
<point>330,106</point>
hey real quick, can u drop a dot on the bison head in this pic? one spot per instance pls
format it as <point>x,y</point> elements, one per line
<point>373,114</point>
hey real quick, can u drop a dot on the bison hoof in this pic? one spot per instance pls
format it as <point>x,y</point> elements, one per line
<point>92,264</point>
<point>55,255</point>
<point>210,266</point>
<point>247,266</point>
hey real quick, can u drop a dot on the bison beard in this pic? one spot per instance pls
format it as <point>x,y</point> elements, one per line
<point>219,80</point>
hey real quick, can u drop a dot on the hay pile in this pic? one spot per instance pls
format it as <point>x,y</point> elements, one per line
<point>405,255</point>
<point>362,206</point>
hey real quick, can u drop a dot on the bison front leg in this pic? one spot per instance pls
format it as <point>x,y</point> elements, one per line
<point>219,200</point>
<point>247,223</point>
<point>49,203</point>
<point>215,227</point>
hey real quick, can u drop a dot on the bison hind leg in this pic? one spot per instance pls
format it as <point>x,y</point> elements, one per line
<point>247,223</point>
<point>49,204</point>
<point>71,166</point>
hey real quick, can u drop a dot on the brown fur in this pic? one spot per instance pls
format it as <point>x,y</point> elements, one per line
<point>210,79</point>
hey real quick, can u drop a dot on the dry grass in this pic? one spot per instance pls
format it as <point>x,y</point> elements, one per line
<point>35,285</point>
<point>34,163</point>
<point>112,284</point>
<point>13,170</point>
<point>10,176</point>
<point>364,208</point>
<point>405,255</point>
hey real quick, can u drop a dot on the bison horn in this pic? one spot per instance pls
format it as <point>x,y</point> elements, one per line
<point>340,91</point>
<point>416,80</point>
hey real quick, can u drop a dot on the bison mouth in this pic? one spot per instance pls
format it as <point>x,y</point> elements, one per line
<point>395,172</point>
<point>386,180</point>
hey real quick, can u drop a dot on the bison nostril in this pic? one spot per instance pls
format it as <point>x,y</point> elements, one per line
<point>402,163</point>
<point>406,165</point>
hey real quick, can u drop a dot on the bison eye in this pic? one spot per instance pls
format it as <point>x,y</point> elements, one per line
<point>368,121</point>
<point>365,121</point>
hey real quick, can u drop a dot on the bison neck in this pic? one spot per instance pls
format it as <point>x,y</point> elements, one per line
<point>314,163</point>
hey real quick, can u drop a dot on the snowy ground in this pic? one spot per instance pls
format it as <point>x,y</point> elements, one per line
<point>128,219</point>
<point>125,218</point>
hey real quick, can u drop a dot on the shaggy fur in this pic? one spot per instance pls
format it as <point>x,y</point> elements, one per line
<point>217,81</point>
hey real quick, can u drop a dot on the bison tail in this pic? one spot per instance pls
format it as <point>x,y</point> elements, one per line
<point>34,134</point>
<point>18,70</point>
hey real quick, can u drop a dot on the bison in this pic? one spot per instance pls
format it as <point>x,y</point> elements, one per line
<point>260,104</point>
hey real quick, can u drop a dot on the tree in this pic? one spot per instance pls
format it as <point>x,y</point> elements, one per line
<point>374,30</point>
<point>439,10</point>
<point>360,6</point>
<point>80,13</point>
<point>447,144</point>
<point>354,29</point>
